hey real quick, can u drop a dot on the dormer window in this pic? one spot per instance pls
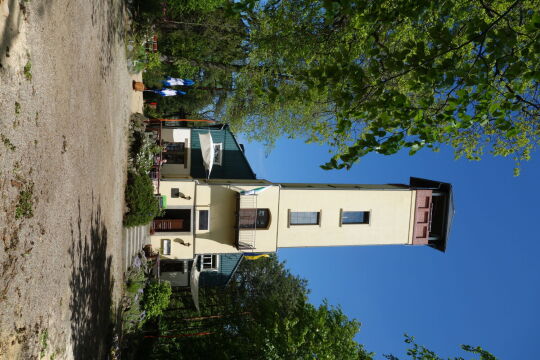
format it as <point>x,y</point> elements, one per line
<point>218,153</point>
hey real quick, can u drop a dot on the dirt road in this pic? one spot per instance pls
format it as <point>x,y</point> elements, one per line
<point>64,106</point>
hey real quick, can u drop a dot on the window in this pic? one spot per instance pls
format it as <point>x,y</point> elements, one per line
<point>355,217</point>
<point>203,219</point>
<point>254,218</point>
<point>209,262</point>
<point>166,247</point>
<point>172,266</point>
<point>218,153</point>
<point>175,153</point>
<point>304,217</point>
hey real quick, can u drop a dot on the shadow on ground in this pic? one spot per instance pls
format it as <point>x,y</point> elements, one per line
<point>91,284</point>
<point>109,14</point>
<point>10,24</point>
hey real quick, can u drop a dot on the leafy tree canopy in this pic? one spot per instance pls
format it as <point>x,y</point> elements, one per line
<point>263,314</point>
<point>419,352</point>
<point>385,75</point>
<point>366,76</point>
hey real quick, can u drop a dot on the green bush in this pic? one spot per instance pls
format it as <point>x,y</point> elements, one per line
<point>135,281</point>
<point>143,205</point>
<point>156,298</point>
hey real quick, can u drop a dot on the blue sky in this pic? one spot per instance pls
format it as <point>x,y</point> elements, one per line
<point>484,290</point>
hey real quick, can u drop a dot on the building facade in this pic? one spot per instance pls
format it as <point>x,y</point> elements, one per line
<point>232,213</point>
<point>231,216</point>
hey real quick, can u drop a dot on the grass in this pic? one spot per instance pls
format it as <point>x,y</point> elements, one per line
<point>28,70</point>
<point>132,317</point>
<point>7,143</point>
<point>25,204</point>
<point>17,108</point>
<point>43,342</point>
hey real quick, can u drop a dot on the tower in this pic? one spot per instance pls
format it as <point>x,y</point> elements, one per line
<point>256,216</point>
<point>310,215</point>
<point>216,210</point>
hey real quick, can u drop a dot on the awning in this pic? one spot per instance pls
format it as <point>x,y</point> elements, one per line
<point>207,150</point>
<point>194,282</point>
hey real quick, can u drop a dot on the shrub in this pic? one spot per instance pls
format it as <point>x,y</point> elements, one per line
<point>143,205</point>
<point>156,298</point>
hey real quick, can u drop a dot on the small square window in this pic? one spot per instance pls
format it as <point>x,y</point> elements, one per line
<point>304,217</point>
<point>175,193</point>
<point>355,217</point>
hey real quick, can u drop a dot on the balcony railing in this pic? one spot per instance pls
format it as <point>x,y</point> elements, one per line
<point>245,222</point>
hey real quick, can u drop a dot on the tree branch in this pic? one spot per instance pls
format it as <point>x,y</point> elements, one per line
<point>483,33</point>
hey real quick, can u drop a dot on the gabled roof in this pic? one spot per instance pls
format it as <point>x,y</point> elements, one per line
<point>234,162</point>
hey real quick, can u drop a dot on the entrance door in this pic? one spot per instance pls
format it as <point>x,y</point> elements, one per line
<point>174,220</point>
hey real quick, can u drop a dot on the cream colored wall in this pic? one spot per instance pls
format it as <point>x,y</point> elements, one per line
<point>391,213</point>
<point>178,250</point>
<point>390,216</point>
<point>187,187</point>
<point>221,201</point>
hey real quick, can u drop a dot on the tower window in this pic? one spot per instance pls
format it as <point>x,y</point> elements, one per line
<point>304,217</point>
<point>355,217</point>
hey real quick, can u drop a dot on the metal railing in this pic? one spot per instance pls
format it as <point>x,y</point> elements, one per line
<point>246,236</point>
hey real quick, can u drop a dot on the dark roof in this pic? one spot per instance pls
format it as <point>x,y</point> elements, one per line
<point>234,162</point>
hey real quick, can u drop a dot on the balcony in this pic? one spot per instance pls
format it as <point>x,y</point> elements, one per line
<point>246,224</point>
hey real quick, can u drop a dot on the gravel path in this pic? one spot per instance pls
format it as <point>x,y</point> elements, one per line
<point>64,105</point>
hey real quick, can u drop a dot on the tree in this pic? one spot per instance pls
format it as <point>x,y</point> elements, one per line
<point>388,75</point>
<point>263,314</point>
<point>419,352</point>
<point>367,76</point>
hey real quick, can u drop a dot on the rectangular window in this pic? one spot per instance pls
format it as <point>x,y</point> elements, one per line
<point>218,153</point>
<point>203,219</point>
<point>209,262</point>
<point>355,217</point>
<point>175,153</point>
<point>304,217</point>
<point>166,247</point>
